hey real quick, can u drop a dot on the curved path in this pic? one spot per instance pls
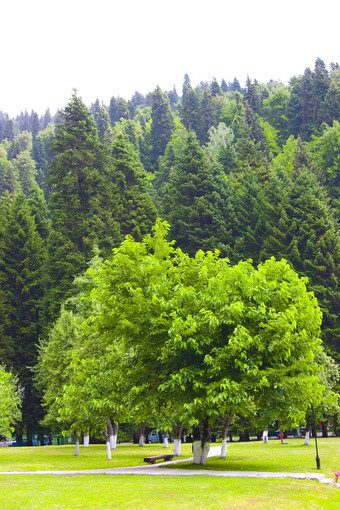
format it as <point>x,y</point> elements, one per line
<point>158,469</point>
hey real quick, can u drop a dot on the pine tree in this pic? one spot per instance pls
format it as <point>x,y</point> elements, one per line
<point>207,117</point>
<point>294,108</point>
<point>197,202</point>
<point>162,124</point>
<point>21,292</point>
<point>190,114</point>
<point>35,125</point>
<point>113,111</point>
<point>300,227</point>
<point>321,82</point>
<point>104,125</point>
<point>307,106</point>
<point>77,200</point>
<point>133,208</point>
<point>9,130</point>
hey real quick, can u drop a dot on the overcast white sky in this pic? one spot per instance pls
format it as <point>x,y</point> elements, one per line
<point>108,48</point>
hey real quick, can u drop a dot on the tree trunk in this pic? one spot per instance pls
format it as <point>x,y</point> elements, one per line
<point>77,443</point>
<point>201,443</point>
<point>224,436</point>
<point>108,446</point>
<point>177,433</point>
<point>265,435</point>
<point>86,441</point>
<point>307,437</point>
<point>324,429</point>
<point>141,431</point>
<point>115,435</point>
<point>166,439</point>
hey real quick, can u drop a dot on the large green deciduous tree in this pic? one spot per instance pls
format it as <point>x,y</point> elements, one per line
<point>196,339</point>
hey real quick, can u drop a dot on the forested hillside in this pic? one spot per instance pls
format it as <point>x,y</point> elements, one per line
<point>252,170</point>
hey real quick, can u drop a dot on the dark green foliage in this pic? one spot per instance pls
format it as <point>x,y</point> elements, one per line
<point>103,125</point>
<point>46,119</point>
<point>207,116</point>
<point>77,199</point>
<point>300,227</point>
<point>253,96</point>
<point>197,202</point>
<point>294,108</point>
<point>224,86</point>
<point>215,89</point>
<point>21,293</point>
<point>190,112</point>
<point>134,211</point>
<point>162,124</point>
<point>35,125</point>
<point>113,110</point>
<point>9,130</point>
<point>307,111</point>
<point>251,146</point>
<point>321,83</point>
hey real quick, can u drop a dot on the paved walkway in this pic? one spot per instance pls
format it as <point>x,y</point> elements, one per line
<point>159,470</point>
<point>155,470</point>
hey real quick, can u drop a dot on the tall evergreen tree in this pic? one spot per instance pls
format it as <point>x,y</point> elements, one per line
<point>9,130</point>
<point>190,114</point>
<point>134,210</point>
<point>197,202</point>
<point>162,124</point>
<point>307,106</point>
<point>21,292</point>
<point>321,82</point>
<point>77,199</point>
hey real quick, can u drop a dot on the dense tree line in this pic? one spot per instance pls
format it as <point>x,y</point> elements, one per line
<point>252,172</point>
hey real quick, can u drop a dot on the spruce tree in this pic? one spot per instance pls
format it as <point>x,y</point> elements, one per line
<point>197,202</point>
<point>162,124</point>
<point>132,206</point>
<point>21,293</point>
<point>307,106</point>
<point>190,114</point>
<point>77,201</point>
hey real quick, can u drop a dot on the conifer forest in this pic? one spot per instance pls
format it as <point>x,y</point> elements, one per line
<point>103,201</point>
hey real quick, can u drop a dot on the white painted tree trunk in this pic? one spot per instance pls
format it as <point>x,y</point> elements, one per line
<point>166,439</point>
<point>177,447</point>
<point>200,452</point>
<point>141,440</point>
<point>115,436</point>
<point>265,436</point>
<point>298,432</point>
<point>108,449</point>
<point>77,445</point>
<point>86,440</point>
<point>307,438</point>
<point>184,438</point>
<point>224,448</point>
<point>113,442</point>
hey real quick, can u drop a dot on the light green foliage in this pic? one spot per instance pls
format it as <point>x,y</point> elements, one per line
<point>193,337</point>
<point>284,160</point>
<point>9,402</point>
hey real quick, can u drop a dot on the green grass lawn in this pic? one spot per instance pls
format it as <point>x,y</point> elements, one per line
<point>169,492</point>
<point>273,456</point>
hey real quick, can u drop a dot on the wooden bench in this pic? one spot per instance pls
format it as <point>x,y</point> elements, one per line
<point>152,460</point>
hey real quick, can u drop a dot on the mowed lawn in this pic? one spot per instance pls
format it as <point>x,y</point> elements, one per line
<point>169,492</point>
